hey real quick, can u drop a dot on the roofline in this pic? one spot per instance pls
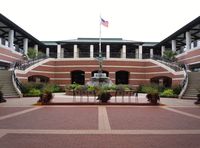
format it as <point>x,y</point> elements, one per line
<point>22,31</point>
<point>181,30</point>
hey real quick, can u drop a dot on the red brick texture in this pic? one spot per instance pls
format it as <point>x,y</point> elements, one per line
<point>140,72</point>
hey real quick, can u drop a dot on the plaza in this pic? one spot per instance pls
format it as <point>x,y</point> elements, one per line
<point>176,123</point>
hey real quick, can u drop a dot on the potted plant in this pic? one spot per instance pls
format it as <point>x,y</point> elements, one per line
<point>1,97</point>
<point>152,94</point>
<point>198,99</point>
<point>103,95</point>
<point>45,97</point>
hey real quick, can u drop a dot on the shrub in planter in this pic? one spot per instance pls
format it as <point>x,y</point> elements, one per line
<point>153,98</point>
<point>198,99</point>
<point>104,97</point>
<point>152,95</point>
<point>1,97</point>
<point>45,97</point>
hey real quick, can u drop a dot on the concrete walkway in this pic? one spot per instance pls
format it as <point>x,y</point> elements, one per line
<point>176,124</point>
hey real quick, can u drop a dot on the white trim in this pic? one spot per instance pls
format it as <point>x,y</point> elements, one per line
<point>139,79</point>
<point>177,79</point>
<point>25,78</point>
<point>60,78</point>
<point>10,49</point>
<point>193,57</point>
<point>9,56</point>
<point>166,67</point>
<point>186,52</point>
<point>5,61</point>
<point>103,66</point>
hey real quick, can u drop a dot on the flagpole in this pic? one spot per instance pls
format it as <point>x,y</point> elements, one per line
<point>100,52</point>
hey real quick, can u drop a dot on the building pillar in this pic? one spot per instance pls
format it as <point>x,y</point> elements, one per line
<point>188,40</point>
<point>151,53</point>
<point>0,41</point>
<point>137,53</point>
<point>11,39</point>
<point>140,52</point>
<point>75,51</point>
<point>107,51</point>
<point>36,49</point>
<point>58,51</point>
<point>62,53</point>
<point>91,51</point>
<point>25,46</point>
<point>123,52</point>
<point>162,50</point>
<point>47,52</point>
<point>174,45</point>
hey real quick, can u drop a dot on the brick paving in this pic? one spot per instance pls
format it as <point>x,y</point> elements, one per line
<point>149,118</point>
<point>191,110</point>
<point>175,125</point>
<point>8,110</point>
<point>54,118</point>
<point>99,141</point>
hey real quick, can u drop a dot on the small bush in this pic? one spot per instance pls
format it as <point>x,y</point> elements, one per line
<point>168,93</point>
<point>34,92</point>
<point>150,89</point>
<point>52,88</point>
<point>177,89</point>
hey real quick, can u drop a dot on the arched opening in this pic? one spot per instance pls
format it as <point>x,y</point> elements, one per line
<point>38,78</point>
<point>162,81</point>
<point>122,77</point>
<point>78,77</point>
<point>96,71</point>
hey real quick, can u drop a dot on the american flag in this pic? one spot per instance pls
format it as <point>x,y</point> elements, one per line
<point>104,22</point>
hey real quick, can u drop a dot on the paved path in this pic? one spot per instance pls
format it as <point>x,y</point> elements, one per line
<point>175,125</point>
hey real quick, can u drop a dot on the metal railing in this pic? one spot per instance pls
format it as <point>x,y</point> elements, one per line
<point>22,65</point>
<point>185,82</point>
<point>117,97</point>
<point>172,64</point>
<point>16,83</point>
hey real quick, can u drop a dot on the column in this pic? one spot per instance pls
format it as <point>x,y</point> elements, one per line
<point>151,53</point>
<point>36,49</point>
<point>140,52</point>
<point>75,51</point>
<point>137,53</point>
<point>47,52</point>
<point>188,40</point>
<point>91,51</point>
<point>11,38</point>
<point>25,46</point>
<point>162,50</point>
<point>62,53</point>
<point>123,52</point>
<point>174,45</point>
<point>58,51</point>
<point>107,51</point>
<point>0,41</point>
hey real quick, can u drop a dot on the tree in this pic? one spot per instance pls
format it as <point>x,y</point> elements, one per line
<point>169,55</point>
<point>31,53</point>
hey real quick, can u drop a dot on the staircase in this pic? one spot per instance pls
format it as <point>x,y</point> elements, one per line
<point>193,84</point>
<point>6,84</point>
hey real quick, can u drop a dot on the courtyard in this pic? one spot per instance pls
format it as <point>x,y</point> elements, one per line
<point>174,124</point>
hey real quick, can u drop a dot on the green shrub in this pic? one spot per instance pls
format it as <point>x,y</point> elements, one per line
<point>52,88</point>
<point>90,88</point>
<point>177,89</point>
<point>34,92</point>
<point>26,87</point>
<point>168,93</point>
<point>150,89</point>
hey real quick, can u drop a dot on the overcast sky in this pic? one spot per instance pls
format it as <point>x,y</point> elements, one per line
<point>140,20</point>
